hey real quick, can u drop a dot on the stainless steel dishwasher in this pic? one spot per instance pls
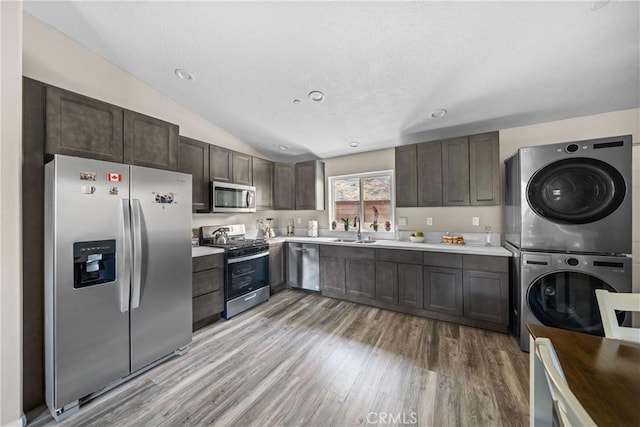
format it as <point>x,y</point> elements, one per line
<point>303,266</point>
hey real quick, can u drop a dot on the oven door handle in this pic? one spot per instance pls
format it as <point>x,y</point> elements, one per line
<point>248,258</point>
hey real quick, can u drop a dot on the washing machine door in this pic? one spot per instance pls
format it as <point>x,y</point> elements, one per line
<point>567,300</point>
<point>576,191</point>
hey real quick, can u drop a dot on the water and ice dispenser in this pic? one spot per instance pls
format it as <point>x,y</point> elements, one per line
<point>94,263</point>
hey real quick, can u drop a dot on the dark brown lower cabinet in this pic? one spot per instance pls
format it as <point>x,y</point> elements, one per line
<point>276,267</point>
<point>486,296</point>
<point>387,282</point>
<point>470,290</point>
<point>443,290</point>
<point>207,289</point>
<point>410,285</point>
<point>332,275</point>
<point>361,277</point>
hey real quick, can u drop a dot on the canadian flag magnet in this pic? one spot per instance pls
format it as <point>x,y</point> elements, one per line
<point>114,177</point>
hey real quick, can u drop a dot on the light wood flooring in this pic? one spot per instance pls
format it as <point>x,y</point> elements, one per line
<point>302,359</point>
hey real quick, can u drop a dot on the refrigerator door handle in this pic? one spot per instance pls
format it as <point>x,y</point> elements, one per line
<point>137,253</point>
<point>125,271</point>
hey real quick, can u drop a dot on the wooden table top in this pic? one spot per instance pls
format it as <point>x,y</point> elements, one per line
<point>603,373</point>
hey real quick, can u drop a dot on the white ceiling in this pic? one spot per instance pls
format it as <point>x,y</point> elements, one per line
<point>383,66</point>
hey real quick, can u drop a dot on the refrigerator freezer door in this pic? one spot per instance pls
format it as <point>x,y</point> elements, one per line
<point>86,285</point>
<point>161,295</point>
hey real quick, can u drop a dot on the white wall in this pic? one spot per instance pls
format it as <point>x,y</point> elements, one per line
<point>51,57</point>
<point>10,214</point>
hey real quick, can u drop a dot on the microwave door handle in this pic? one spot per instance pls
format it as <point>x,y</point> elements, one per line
<point>248,199</point>
<point>137,254</point>
<point>125,262</point>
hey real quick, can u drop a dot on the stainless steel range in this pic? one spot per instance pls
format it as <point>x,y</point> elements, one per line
<point>246,281</point>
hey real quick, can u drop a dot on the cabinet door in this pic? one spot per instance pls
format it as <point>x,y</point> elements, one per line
<point>284,186</point>
<point>241,168</point>
<point>332,275</point>
<point>387,282</point>
<point>150,142</point>
<point>484,169</point>
<point>276,267</point>
<point>309,187</point>
<point>220,164</point>
<point>204,282</point>
<point>406,176</point>
<point>206,308</point>
<point>410,285</point>
<point>80,126</point>
<point>486,296</point>
<point>430,174</point>
<point>361,278</point>
<point>443,290</point>
<point>194,159</point>
<point>263,181</point>
<point>455,172</point>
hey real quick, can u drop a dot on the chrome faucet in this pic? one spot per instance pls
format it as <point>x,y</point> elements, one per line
<point>356,224</point>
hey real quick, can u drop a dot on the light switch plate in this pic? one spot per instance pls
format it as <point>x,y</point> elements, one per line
<point>403,221</point>
<point>475,220</point>
<point>429,220</point>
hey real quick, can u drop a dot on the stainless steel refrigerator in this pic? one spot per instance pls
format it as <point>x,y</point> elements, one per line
<point>117,275</point>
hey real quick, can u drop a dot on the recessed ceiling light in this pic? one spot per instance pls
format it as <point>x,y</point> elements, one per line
<point>283,147</point>
<point>599,4</point>
<point>438,114</point>
<point>354,144</point>
<point>184,75</point>
<point>316,96</point>
<point>296,101</point>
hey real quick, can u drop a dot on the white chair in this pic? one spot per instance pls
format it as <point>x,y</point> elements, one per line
<point>609,302</point>
<point>568,408</point>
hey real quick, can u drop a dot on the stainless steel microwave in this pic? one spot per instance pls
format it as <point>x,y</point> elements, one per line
<point>227,197</point>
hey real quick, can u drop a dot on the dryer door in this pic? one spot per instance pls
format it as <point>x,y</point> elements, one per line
<point>576,191</point>
<point>567,300</point>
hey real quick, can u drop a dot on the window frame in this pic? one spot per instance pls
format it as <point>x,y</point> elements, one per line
<point>360,176</point>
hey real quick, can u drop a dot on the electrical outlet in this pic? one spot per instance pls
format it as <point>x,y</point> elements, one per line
<point>429,220</point>
<point>475,220</point>
<point>300,221</point>
<point>403,221</point>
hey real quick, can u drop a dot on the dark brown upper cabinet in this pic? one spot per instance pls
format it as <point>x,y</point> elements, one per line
<point>263,181</point>
<point>309,187</point>
<point>80,126</point>
<point>194,159</point>
<point>429,157</point>
<point>484,169</point>
<point>406,176</point>
<point>220,161</point>
<point>284,186</point>
<point>455,172</point>
<point>150,142</point>
<point>241,168</point>
<point>229,166</point>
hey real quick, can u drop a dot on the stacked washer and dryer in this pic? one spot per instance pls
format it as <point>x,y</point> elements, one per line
<point>568,223</point>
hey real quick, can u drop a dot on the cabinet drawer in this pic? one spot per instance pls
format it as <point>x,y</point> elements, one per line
<point>442,260</point>
<point>394,255</point>
<point>346,252</point>
<point>207,305</point>
<point>496,264</point>
<point>207,281</point>
<point>206,262</point>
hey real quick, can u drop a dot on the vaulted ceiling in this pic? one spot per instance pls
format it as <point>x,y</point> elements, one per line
<point>383,67</point>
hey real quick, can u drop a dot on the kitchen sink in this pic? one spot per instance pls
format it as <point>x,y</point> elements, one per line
<point>365,241</point>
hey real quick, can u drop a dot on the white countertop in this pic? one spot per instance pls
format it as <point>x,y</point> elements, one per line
<point>467,249</point>
<point>205,250</point>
